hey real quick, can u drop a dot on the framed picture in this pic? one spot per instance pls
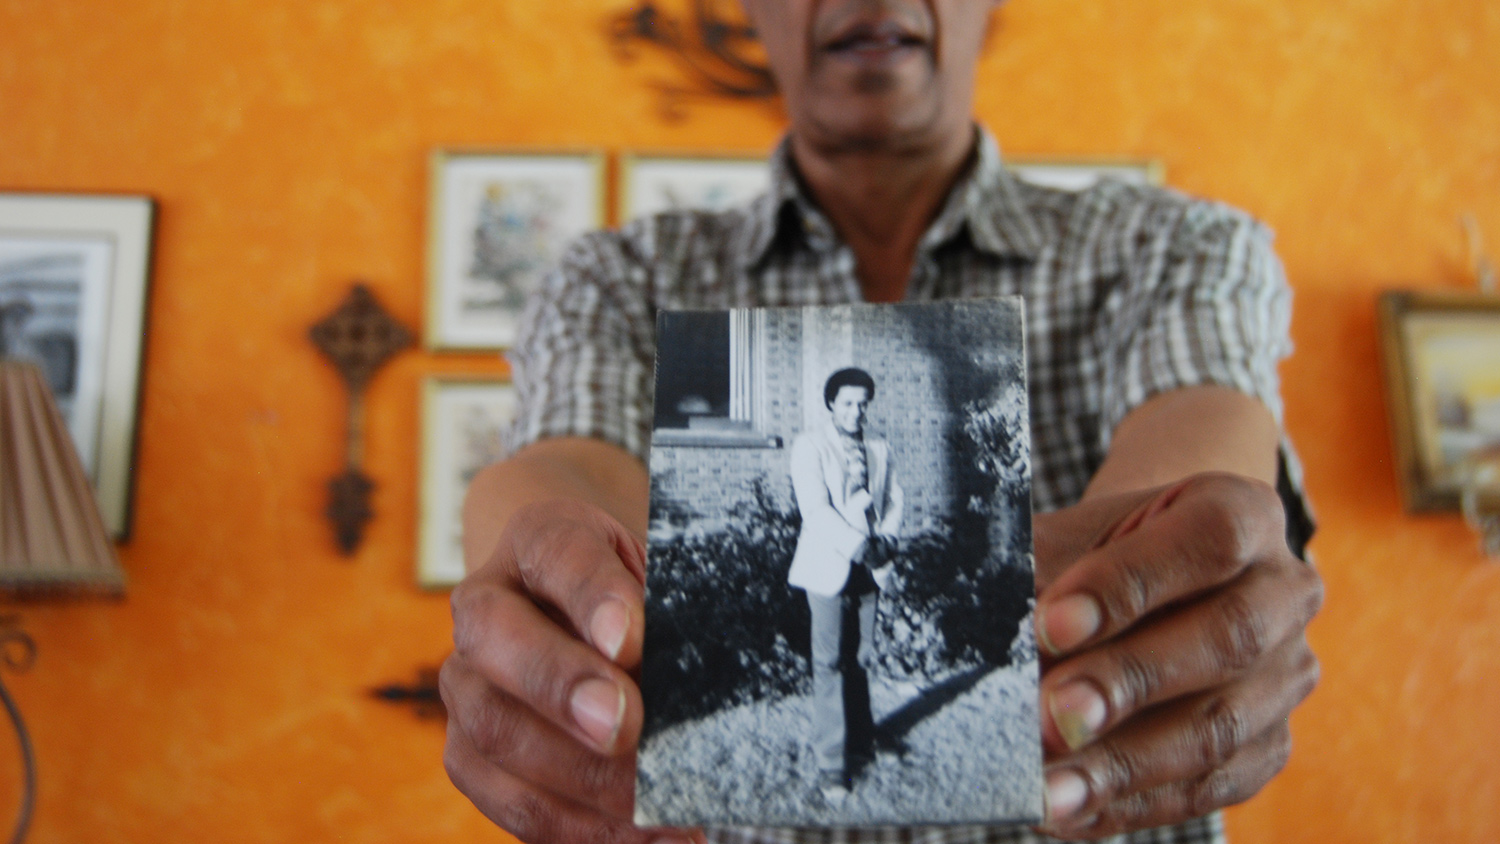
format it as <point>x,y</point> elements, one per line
<point>651,184</point>
<point>1442,368</point>
<point>464,428</point>
<point>73,278</point>
<point>498,221</point>
<point>1077,174</point>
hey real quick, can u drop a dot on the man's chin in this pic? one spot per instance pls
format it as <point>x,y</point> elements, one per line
<point>878,124</point>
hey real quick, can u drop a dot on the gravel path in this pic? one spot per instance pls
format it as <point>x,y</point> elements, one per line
<point>972,755</point>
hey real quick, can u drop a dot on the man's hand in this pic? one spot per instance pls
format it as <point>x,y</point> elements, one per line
<point>883,548</point>
<point>1172,622</point>
<point>543,716</point>
<point>861,500</point>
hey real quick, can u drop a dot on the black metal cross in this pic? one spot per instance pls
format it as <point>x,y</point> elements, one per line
<point>358,338</point>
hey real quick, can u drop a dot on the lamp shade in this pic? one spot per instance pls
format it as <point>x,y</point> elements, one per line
<point>51,534</point>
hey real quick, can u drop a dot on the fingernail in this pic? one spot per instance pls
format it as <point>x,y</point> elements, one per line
<point>608,626</point>
<point>1079,711</point>
<point>598,706</point>
<point>1066,793</point>
<point>1070,622</point>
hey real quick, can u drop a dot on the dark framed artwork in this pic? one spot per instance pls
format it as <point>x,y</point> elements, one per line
<point>1442,371</point>
<point>74,271</point>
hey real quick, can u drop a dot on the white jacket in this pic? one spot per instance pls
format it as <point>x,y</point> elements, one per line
<point>833,532</point>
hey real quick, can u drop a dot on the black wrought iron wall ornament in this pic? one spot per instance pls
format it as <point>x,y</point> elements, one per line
<point>357,338</point>
<point>17,653</point>
<point>422,696</point>
<point>719,52</point>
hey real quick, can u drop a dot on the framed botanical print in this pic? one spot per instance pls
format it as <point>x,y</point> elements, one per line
<point>74,271</point>
<point>464,428</point>
<point>651,184</point>
<point>498,221</point>
<point>1442,374</point>
<point>1080,173</point>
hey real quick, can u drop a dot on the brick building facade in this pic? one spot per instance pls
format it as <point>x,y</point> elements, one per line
<point>932,365</point>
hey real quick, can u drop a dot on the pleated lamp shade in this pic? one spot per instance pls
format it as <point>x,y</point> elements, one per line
<point>52,537</point>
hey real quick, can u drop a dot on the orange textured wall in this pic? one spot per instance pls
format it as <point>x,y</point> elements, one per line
<point>286,143</point>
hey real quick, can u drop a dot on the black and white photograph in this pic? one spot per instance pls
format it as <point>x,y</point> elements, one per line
<point>840,574</point>
<point>73,274</point>
<point>464,428</point>
<point>497,222</point>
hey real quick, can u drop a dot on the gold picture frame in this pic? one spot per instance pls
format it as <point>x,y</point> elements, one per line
<point>1441,357</point>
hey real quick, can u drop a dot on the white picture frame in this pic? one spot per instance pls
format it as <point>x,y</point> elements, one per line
<point>497,222</point>
<point>1079,173</point>
<point>74,273</point>
<point>465,423</point>
<point>652,183</point>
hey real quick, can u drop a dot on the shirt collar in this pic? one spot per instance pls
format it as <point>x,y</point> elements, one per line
<point>987,202</point>
<point>785,210</point>
<point>838,436</point>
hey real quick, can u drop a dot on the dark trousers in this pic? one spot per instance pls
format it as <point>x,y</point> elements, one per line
<point>843,628</point>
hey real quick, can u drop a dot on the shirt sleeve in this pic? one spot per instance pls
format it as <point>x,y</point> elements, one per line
<point>582,362</point>
<point>1207,304</point>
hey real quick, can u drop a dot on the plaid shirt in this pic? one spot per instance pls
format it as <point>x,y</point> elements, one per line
<point>1129,292</point>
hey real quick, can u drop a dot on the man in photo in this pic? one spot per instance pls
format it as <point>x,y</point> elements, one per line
<point>851,511</point>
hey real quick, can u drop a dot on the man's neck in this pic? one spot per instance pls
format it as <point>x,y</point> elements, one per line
<point>882,201</point>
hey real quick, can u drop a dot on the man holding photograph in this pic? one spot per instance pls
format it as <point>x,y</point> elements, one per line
<point>851,510</point>
<point>1171,611</point>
